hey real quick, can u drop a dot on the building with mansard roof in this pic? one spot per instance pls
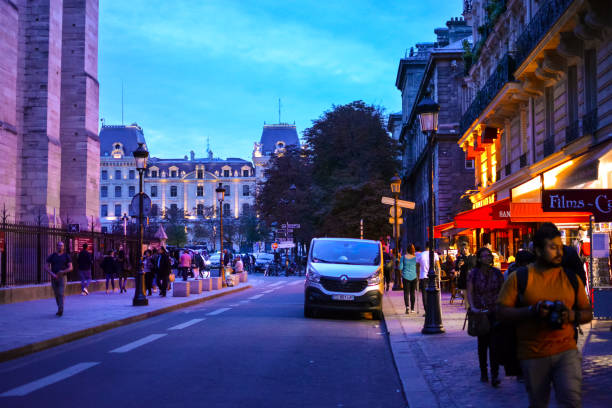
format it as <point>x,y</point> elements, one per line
<point>274,140</point>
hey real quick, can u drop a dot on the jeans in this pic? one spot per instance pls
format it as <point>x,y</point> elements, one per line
<point>564,370</point>
<point>110,277</point>
<point>184,272</point>
<point>162,284</point>
<point>423,287</point>
<point>149,281</point>
<point>85,275</point>
<point>484,344</point>
<point>409,292</point>
<point>58,286</point>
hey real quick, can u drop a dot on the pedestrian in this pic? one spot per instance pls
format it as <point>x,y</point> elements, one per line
<point>407,267</point>
<point>522,258</point>
<point>547,302</point>
<point>226,258</point>
<point>387,268</point>
<point>123,267</point>
<point>147,267</point>
<point>109,267</point>
<point>163,271</point>
<point>483,285</point>
<point>184,265</point>
<point>239,267</point>
<point>154,255</point>
<point>463,265</point>
<point>422,262</point>
<point>58,265</point>
<point>247,263</point>
<point>84,261</point>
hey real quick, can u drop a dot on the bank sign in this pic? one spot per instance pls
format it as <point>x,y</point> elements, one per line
<point>596,201</point>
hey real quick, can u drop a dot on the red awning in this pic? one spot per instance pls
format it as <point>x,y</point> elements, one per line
<point>480,218</point>
<point>442,227</point>
<point>532,212</point>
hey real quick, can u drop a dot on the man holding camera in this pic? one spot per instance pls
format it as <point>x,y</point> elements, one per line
<point>546,313</point>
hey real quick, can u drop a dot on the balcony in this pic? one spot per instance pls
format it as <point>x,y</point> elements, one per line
<point>572,132</point>
<point>540,24</point>
<point>501,76</point>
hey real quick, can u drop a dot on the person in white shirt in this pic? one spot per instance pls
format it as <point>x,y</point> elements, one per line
<point>423,271</point>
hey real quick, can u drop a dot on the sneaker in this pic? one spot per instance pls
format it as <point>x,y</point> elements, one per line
<point>60,313</point>
<point>413,311</point>
<point>495,382</point>
<point>83,293</point>
<point>407,310</point>
<point>86,291</point>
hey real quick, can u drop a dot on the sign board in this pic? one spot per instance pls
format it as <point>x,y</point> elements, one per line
<point>399,221</point>
<point>2,241</point>
<point>146,206</point>
<point>485,201</point>
<point>74,228</point>
<point>596,201</point>
<point>400,203</point>
<point>291,226</point>
<point>392,211</point>
<point>274,245</point>
<point>79,241</point>
<point>285,239</point>
<point>501,210</point>
<point>286,245</point>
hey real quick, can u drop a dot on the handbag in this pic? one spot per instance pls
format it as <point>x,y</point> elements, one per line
<point>478,323</point>
<point>171,277</point>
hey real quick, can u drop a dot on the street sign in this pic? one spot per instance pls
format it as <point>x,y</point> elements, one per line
<point>274,245</point>
<point>73,228</point>
<point>146,206</point>
<point>399,221</point>
<point>596,201</point>
<point>285,239</point>
<point>400,203</point>
<point>291,226</point>
<point>392,211</point>
<point>286,245</point>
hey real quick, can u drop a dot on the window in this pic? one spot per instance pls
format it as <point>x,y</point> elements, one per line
<point>117,174</point>
<point>493,161</point>
<point>154,174</point>
<point>226,173</point>
<point>245,190</point>
<point>104,211</point>
<point>117,191</point>
<point>131,191</point>
<point>227,190</point>
<point>200,174</point>
<point>154,209</point>
<point>549,108</point>
<point>173,173</point>
<point>200,209</point>
<point>590,80</point>
<point>469,164</point>
<point>104,191</point>
<point>245,173</point>
<point>117,210</point>
<point>200,191</point>
<point>245,208</point>
<point>483,168</point>
<point>173,191</point>
<point>226,209</point>
<point>132,175</point>
<point>153,191</point>
<point>105,230</point>
<point>104,175</point>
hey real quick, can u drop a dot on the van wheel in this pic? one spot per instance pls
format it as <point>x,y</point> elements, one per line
<point>308,312</point>
<point>377,315</point>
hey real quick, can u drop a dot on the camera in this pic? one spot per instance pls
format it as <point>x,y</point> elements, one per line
<point>555,310</point>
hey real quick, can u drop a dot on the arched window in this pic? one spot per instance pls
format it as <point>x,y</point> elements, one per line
<point>245,208</point>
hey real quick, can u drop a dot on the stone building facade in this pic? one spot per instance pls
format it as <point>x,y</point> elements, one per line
<point>434,71</point>
<point>274,139</point>
<point>49,110</point>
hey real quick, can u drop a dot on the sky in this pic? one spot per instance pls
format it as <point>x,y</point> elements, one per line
<point>197,69</point>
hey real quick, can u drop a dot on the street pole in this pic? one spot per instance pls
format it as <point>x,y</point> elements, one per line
<point>139,296</point>
<point>433,314</point>
<point>221,266</point>
<point>361,228</point>
<point>396,283</point>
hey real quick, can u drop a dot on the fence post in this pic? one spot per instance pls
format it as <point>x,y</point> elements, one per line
<point>3,254</point>
<point>38,255</point>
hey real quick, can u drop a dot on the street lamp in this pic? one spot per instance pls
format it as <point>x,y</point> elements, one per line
<point>292,192</point>
<point>428,110</point>
<point>396,183</point>
<point>140,156</point>
<point>220,196</point>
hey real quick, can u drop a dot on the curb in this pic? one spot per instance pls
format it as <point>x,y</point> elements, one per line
<point>66,338</point>
<point>416,390</point>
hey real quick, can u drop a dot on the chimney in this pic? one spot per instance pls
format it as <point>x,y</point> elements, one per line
<point>192,155</point>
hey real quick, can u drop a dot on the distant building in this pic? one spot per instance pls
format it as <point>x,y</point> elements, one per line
<point>274,140</point>
<point>188,183</point>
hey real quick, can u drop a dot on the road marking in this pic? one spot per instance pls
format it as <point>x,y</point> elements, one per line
<point>297,282</point>
<point>244,301</point>
<point>218,311</point>
<point>256,296</point>
<point>269,291</point>
<point>186,324</point>
<point>131,346</point>
<point>48,380</point>
<point>235,305</point>
<point>277,283</point>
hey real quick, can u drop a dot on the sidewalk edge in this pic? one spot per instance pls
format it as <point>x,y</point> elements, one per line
<point>66,338</point>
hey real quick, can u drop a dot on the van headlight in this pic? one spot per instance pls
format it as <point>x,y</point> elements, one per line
<point>312,276</point>
<point>374,279</point>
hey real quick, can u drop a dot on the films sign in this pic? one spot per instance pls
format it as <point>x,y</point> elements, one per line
<point>596,201</point>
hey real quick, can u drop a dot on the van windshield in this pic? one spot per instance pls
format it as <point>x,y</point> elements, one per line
<point>346,252</point>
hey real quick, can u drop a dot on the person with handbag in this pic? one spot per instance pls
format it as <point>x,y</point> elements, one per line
<point>407,267</point>
<point>483,285</point>
<point>163,270</point>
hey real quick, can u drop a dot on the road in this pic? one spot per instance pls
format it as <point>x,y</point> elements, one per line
<point>250,349</point>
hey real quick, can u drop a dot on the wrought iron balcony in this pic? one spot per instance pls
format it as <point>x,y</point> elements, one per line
<point>549,146</point>
<point>502,75</point>
<point>547,15</point>
<point>572,132</point>
<point>590,123</point>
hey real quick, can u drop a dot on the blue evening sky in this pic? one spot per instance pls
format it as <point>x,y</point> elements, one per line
<point>196,69</point>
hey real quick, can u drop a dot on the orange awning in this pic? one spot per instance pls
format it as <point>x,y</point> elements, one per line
<point>480,218</point>
<point>532,212</point>
<point>442,227</point>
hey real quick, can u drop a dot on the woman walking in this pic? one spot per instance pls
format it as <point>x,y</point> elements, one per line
<point>483,285</point>
<point>407,267</point>
<point>123,267</point>
<point>147,267</point>
<point>109,268</point>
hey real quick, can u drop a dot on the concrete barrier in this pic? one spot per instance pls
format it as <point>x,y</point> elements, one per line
<point>206,284</point>
<point>195,287</point>
<point>216,283</point>
<point>180,288</point>
<point>244,276</point>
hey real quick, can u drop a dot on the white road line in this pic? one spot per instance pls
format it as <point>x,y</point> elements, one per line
<point>297,282</point>
<point>131,346</point>
<point>269,291</point>
<point>256,296</point>
<point>235,305</point>
<point>186,324</point>
<point>218,311</point>
<point>48,380</point>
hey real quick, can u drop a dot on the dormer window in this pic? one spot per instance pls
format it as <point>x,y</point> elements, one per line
<point>226,173</point>
<point>117,152</point>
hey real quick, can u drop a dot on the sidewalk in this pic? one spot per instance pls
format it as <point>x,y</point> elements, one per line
<point>442,370</point>
<point>31,326</point>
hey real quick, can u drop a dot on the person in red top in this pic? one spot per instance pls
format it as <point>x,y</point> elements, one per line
<point>184,264</point>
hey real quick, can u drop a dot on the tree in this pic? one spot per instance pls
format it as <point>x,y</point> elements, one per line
<point>175,226</point>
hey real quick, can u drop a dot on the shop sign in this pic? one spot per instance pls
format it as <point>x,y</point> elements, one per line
<point>485,201</point>
<point>501,210</point>
<point>2,241</point>
<point>79,241</point>
<point>596,201</point>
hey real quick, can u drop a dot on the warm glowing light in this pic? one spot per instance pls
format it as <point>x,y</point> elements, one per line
<point>550,177</point>
<point>525,188</point>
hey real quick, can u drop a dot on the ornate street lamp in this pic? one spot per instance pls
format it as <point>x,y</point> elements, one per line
<point>396,183</point>
<point>220,196</point>
<point>140,156</point>
<point>428,110</point>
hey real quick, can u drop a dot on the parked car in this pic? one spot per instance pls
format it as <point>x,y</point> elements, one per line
<point>262,260</point>
<point>344,274</point>
<point>214,261</point>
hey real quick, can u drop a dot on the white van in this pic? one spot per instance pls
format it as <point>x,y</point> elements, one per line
<point>344,274</point>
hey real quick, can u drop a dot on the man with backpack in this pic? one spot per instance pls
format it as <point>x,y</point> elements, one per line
<point>547,301</point>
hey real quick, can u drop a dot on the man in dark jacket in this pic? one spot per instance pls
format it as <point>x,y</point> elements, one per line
<point>84,260</point>
<point>464,264</point>
<point>163,271</point>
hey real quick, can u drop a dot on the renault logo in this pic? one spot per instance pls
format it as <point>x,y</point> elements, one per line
<point>343,279</point>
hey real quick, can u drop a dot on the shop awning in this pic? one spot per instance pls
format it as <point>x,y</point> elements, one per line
<point>438,229</point>
<point>480,218</point>
<point>532,212</point>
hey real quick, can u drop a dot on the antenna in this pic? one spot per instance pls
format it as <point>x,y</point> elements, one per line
<point>122,102</point>
<point>207,143</point>
<point>279,111</point>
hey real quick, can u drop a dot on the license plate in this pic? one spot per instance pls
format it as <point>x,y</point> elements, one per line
<point>343,297</point>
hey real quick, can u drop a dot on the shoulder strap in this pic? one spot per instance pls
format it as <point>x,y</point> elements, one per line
<point>573,278</point>
<point>522,275</point>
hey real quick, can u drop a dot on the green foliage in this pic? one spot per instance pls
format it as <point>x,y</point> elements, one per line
<point>175,226</point>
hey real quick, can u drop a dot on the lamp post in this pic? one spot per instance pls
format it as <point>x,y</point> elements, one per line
<point>220,196</point>
<point>396,183</point>
<point>125,219</point>
<point>140,155</point>
<point>292,192</point>
<point>428,110</point>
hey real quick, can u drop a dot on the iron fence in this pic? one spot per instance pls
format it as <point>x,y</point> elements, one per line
<point>26,248</point>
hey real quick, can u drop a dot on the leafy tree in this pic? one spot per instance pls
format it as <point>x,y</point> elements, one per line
<point>175,226</point>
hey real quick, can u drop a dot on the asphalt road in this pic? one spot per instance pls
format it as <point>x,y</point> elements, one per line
<point>251,349</point>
